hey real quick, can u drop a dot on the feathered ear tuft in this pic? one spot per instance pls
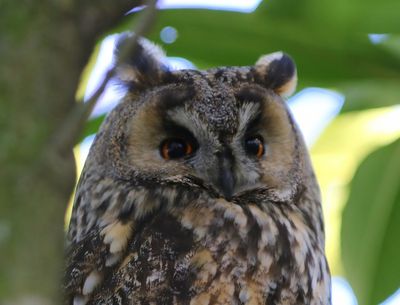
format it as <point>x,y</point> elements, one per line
<point>277,71</point>
<point>143,68</point>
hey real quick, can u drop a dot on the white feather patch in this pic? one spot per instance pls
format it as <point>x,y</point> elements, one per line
<point>152,49</point>
<point>112,259</point>
<point>244,295</point>
<point>91,282</point>
<point>117,235</point>
<point>266,60</point>
<point>80,300</point>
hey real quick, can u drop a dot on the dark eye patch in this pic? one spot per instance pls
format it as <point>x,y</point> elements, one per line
<point>173,97</point>
<point>173,130</point>
<point>250,94</point>
<point>254,125</point>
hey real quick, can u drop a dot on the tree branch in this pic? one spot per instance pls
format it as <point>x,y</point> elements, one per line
<point>74,123</point>
<point>91,17</point>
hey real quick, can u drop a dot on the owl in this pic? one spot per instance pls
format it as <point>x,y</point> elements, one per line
<point>198,190</point>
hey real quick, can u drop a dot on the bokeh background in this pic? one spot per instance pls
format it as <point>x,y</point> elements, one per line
<point>347,105</point>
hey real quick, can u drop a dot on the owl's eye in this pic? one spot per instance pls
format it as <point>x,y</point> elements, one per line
<point>175,148</point>
<point>254,145</point>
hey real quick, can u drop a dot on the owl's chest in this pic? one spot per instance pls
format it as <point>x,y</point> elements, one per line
<point>224,255</point>
<point>247,254</point>
<point>201,263</point>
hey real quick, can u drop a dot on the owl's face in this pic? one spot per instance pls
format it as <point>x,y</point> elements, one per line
<point>232,139</point>
<point>227,128</point>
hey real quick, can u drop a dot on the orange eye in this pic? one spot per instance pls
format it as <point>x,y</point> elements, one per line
<point>254,146</point>
<point>175,149</point>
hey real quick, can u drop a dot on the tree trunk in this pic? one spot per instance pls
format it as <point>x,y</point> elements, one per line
<point>43,49</point>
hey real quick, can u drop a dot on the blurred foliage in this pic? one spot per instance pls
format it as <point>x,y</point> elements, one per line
<point>371,226</point>
<point>328,51</point>
<point>336,156</point>
<point>330,44</point>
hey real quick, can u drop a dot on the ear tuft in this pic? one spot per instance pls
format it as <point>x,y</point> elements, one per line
<point>143,68</point>
<point>277,71</point>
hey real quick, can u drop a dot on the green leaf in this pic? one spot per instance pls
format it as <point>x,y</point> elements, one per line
<point>330,50</point>
<point>370,93</point>
<point>328,40</point>
<point>92,126</point>
<point>392,44</point>
<point>371,227</point>
<point>326,56</point>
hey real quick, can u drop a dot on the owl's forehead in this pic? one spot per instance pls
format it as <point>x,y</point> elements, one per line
<point>214,97</point>
<point>215,103</point>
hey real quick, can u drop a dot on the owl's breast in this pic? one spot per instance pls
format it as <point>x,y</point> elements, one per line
<point>221,253</point>
<point>255,254</point>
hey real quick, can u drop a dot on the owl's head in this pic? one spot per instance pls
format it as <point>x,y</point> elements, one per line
<point>226,128</point>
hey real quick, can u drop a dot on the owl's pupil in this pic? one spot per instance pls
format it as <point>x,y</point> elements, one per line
<point>175,149</point>
<point>254,146</point>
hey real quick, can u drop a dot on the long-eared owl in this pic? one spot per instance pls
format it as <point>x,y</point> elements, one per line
<point>198,190</point>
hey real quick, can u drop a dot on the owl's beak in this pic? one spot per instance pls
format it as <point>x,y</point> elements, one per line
<point>226,178</point>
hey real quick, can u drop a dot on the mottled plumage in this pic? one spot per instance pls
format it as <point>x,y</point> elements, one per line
<point>236,220</point>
